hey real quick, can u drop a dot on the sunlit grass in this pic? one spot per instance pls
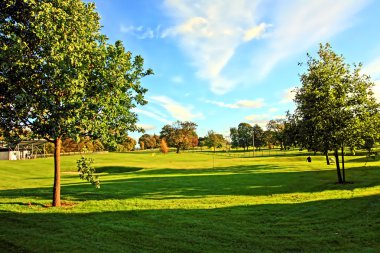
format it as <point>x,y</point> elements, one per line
<point>192,202</point>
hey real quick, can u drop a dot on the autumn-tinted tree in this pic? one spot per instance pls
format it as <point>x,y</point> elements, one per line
<point>148,140</point>
<point>61,79</point>
<point>180,134</point>
<point>164,147</point>
<point>127,145</point>
<point>335,105</point>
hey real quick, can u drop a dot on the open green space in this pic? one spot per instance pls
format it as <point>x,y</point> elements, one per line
<point>192,202</point>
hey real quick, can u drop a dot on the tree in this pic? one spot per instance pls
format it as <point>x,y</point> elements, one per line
<point>259,136</point>
<point>335,105</point>
<point>276,127</point>
<point>127,145</point>
<point>164,147</point>
<point>234,135</point>
<point>148,140</point>
<point>61,79</point>
<point>245,135</point>
<point>180,134</point>
<point>214,140</point>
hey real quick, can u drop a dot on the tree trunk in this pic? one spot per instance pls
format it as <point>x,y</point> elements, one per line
<point>327,157</point>
<point>178,149</point>
<point>343,171</point>
<point>340,180</point>
<point>57,173</point>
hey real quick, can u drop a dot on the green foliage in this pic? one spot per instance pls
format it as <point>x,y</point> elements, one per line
<point>86,171</point>
<point>275,132</point>
<point>214,140</point>
<point>60,78</point>
<point>335,105</point>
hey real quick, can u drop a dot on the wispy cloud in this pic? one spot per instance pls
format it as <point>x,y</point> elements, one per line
<point>262,119</point>
<point>141,32</point>
<point>210,32</point>
<point>175,109</point>
<point>299,26</point>
<point>177,79</point>
<point>259,119</point>
<point>373,69</point>
<point>146,127</point>
<point>288,95</point>
<point>258,103</point>
<point>151,115</point>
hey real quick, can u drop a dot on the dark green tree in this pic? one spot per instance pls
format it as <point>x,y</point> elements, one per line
<point>335,105</point>
<point>245,135</point>
<point>61,79</point>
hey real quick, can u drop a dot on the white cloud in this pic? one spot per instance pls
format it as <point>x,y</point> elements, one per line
<point>210,32</point>
<point>299,25</point>
<point>141,32</point>
<point>146,127</point>
<point>175,109</point>
<point>151,115</point>
<point>259,119</point>
<point>273,109</point>
<point>258,103</point>
<point>255,32</point>
<point>288,95</point>
<point>373,69</point>
<point>177,79</point>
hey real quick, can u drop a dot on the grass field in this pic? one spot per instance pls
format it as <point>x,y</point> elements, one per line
<point>191,202</point>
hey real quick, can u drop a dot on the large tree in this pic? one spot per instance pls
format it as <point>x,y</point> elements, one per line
<point>61,79</point>
<point>181,134</point>
<point>276,129</point>
<point>335,105</point>
<point>245,135</point>
<point>214,140</point>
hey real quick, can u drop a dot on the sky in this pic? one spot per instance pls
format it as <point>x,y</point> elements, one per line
<point>220,62</point>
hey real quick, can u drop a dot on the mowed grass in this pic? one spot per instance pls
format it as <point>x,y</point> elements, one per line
<point>191,202</point>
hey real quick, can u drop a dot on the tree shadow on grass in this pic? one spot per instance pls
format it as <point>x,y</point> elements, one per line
<point>162,184</point>
<point>349,225</point>
<point>116,169</point>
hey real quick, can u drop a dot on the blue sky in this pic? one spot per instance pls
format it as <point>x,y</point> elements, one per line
<point>221,62</point>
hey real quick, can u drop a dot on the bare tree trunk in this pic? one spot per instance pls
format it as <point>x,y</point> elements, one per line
<point>327,157</point>
<point>340,180</point>
<point>178,149</point>
<point>343,171</point>
<point>57,173</point>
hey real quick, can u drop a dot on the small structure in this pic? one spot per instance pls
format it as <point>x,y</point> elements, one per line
<point>24,150</point>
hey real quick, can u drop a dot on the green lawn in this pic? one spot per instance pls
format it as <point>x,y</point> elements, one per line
<point>192,202</point>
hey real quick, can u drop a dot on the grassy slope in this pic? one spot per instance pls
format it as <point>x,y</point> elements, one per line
<point>192,203</point>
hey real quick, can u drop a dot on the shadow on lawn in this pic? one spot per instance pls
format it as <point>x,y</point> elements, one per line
<point>350,225</point>
<point>116,169</point>
<point>198,183</point>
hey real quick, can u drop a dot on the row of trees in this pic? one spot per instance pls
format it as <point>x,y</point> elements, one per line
<point>245,135</point>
